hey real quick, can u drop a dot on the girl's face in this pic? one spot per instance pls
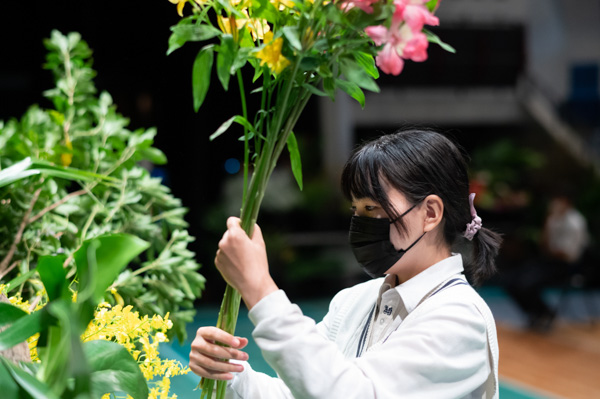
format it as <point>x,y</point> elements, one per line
<point>369,208</point>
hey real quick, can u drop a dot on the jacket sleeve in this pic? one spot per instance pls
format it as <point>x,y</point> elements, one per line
<point>257,385</point>
<point>443,355</point>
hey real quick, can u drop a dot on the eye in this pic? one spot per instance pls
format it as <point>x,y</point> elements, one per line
<point>370,208</point>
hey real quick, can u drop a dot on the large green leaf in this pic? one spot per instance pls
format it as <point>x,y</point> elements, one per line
<point>201,75</point>
<point>356,73</point>
<point>9,313</point>
<point>100,260</point>
<point>53,275</point>
<point>22,329</point>
<point>225,59</point>
<point>30,387</point>
<point>291,34</point>
<point>187,32</point>
<point>18,171</point>
<point>367,62</point>
<point>114,370</point>
<point>28,167</point>
<point>292,145</point>
<point>353,90</point>
<point>8,386</point>
<point>58,361</point>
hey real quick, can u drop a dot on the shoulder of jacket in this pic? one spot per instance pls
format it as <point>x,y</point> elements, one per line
<point>358,290</point>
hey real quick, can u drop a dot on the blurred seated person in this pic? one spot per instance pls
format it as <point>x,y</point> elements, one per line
<point>564,240</point>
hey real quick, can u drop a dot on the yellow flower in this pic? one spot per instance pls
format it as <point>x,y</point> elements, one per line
<point>271,54</point>
<point>257,26</point>
<point>282,4</point>
<point>67,157</point>
<point>181,3</point>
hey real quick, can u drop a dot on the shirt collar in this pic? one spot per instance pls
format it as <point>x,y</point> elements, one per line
<point>415,289</point>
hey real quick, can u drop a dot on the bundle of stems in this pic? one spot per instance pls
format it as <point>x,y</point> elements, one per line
<point>279,134</point>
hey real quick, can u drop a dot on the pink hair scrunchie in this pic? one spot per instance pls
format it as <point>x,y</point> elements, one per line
<point>475,225</point>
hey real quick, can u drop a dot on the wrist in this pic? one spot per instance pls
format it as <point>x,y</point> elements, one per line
<point>252,297</point>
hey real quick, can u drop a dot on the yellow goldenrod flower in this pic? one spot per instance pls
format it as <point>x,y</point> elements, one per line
<point>141,336</point>
<point>271,54</point>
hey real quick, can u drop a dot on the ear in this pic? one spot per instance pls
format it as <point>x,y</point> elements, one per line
<point>434,212</point>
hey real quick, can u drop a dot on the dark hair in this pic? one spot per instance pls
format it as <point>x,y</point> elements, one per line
<point>419,163</point>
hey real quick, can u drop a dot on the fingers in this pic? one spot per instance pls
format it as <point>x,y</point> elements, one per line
<point>257,235</point>
<point>233,222</point>
<point>209,359</point>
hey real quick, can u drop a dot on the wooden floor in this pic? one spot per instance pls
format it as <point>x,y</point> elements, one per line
<point>564,363</point>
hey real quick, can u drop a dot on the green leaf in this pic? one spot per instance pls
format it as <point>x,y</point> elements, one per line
<point>27,167</point>
<point>183,33</point>
<point>201,75</point>
<point>18,171</point>
<point>356,74</point>
<point>17,281</point>
<point>264,9</point>
<point>291,34</point>
<point>9,313</point>
<point>114,370</point>
<point>329,87</point>
<point>8,386</point>
<point>314,90</point>
<point>433,38</point>
<point>225,125</point>
<point>28,383</point>
<point>225,58</point>
<point>432,5</point>
<point>154,155</point>
<point>353,91</point>
<point>367,62</point>
<point>100,260</point>
<point>22,329</point>
<point>292,145</point>
<point>54,276</point>
<point>309,63</point>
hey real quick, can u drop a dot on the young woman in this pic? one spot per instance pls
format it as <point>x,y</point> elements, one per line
<point>417,330</point>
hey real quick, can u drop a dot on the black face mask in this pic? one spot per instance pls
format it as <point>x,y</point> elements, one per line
<point>370,242</point>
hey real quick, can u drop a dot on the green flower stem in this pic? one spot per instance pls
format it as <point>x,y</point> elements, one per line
<point>246,146</point>
<point>276,139</point>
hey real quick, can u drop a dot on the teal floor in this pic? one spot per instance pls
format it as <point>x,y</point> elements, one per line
<point>184,386</point>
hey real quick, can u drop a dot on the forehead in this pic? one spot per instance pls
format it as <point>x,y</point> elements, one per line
<point>395,197</point>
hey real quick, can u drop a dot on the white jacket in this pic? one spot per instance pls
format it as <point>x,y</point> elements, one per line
<point>446,347</point>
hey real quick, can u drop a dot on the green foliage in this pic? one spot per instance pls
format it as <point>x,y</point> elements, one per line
<point>68,368</point>
<point>71,173</point>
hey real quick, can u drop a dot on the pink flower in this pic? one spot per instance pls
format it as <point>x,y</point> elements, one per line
<point>404,39</point>
<point>415,14</point>
<point>400,43</point>
<point>365,5</point>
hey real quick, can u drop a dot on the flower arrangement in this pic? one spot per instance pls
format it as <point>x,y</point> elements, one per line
<point>297,48</point>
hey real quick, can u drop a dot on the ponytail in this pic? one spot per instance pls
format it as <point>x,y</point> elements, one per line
<point>486,244</point>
